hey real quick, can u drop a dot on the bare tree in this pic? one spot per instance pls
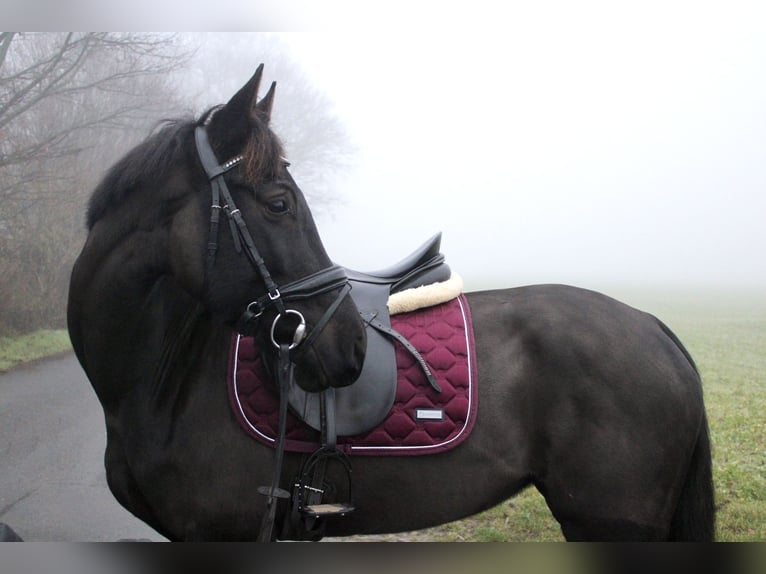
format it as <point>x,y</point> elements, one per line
<point>57,89</point>
<point>70,103</point>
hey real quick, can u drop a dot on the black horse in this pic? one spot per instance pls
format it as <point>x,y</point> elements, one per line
<point>596,404</point>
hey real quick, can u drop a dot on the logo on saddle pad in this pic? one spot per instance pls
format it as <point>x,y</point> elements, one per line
<point>416,419</point>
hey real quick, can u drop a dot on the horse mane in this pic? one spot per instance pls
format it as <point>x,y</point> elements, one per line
<point>151,160</point>
<point>148,161</point>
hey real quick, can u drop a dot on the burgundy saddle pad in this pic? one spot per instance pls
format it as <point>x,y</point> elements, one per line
<point>421,421</point>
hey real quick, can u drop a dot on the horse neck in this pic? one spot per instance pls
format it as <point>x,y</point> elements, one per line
<point>124,296</point>
<point>190,345</point>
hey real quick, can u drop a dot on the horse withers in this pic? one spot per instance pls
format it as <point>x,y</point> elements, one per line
<point>200,231</point>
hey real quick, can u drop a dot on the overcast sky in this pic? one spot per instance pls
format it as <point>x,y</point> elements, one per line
<point>574,146</point>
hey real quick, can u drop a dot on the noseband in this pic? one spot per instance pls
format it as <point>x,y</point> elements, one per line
<point>323,281</point>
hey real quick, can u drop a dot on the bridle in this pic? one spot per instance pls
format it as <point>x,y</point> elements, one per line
<point>323,281</point>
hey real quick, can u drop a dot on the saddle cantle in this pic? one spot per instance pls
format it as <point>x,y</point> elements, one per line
<point>363,405</point>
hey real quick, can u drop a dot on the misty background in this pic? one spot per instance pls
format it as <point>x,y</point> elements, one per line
<point>595,151</point>
<point>610,148</point>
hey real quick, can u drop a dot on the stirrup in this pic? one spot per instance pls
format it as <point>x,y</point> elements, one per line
<point>311,499</point>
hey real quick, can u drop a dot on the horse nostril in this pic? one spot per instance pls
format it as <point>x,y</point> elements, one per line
<point>353,372</point>
<point>360,351</point>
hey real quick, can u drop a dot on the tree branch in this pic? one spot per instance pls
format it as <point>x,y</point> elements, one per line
<point>5,43</point>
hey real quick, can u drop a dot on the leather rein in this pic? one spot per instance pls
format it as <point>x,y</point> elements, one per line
<point>323,281</point>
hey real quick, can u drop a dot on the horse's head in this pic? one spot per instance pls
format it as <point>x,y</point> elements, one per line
<point>249,249</point>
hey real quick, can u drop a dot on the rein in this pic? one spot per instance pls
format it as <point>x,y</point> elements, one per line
<point>323,281</point>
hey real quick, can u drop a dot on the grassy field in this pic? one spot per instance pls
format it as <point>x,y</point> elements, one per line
<point>728,341</point>
<point>726,334</point>
<point>27,348</point>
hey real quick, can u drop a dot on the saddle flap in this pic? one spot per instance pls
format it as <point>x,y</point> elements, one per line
<point>363,405</point>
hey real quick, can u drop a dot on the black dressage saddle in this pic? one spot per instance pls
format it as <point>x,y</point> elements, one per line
<point>363,405</point>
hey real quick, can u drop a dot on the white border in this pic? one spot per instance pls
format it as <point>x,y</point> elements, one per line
<point>239,403</point>
<point>353,448</point>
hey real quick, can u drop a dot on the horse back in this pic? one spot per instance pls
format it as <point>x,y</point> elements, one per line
<point>609,402</point>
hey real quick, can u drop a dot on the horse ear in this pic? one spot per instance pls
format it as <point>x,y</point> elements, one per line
<point>244,100</point>
<point>230,127</point>
<point>264,107</point>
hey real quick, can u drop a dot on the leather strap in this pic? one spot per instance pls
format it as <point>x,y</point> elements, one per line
<point>323,281</point>
<point>385,329</point>
<point>239,231</point>
<point>327,416</point>
<point>317,329</point>
<point>333,277</point>
<point>285,374</point>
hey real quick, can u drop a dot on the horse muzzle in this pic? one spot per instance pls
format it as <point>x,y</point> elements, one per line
<point>325,366</point>
<point>327,352</point>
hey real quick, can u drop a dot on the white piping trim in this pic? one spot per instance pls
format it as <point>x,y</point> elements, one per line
<point>239,403</point>
<point>359,448</point>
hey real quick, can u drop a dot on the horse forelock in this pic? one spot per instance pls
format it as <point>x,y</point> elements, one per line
<point>262,151</point>
<point>263,156</point>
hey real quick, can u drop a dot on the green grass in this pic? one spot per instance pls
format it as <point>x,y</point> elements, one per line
<point>524,518</point>
<point>727,338</point>
<point>33,346</point>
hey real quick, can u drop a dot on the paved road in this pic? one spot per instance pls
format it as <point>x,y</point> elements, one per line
<point>52,438</point>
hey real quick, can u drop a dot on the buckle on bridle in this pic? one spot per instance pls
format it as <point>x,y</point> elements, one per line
<point>254,310</point>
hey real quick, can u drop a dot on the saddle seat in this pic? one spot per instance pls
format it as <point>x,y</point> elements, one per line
<point>363,405</point>
<point>423,266</point>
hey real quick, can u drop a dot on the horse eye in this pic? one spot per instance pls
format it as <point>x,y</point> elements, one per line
<point>278,206</point>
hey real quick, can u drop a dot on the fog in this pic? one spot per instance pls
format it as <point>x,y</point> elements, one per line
<point>594,149</point>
